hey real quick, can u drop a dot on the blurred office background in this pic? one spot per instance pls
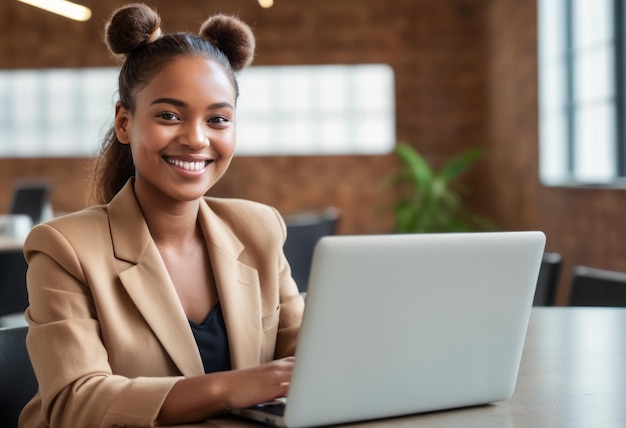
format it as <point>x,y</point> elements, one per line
<point>465,74</point>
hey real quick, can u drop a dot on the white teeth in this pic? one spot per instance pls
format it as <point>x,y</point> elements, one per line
<point>186,165</point>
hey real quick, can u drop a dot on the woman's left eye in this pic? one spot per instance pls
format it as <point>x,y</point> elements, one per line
<point>218,120</point>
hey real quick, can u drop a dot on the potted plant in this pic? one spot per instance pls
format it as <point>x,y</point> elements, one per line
<point>431,199</point>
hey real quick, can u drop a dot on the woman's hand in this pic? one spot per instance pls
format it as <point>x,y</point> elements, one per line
<point>196,398</point>
<point>258,384</point>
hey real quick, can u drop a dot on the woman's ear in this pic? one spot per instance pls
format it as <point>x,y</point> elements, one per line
<point>122,118</point>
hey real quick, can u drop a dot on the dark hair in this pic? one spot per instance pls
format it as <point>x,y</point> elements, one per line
<point>133,35</point>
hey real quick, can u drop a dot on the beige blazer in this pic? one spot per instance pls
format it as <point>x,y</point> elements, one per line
<point>108,337</point>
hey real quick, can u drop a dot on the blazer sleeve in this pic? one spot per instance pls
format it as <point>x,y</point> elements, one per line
<point>76,383</point>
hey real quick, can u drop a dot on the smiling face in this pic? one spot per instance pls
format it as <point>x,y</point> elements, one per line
<point>182,130</point>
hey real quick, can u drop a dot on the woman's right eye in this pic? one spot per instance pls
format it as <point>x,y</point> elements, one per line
<point>168,116</point>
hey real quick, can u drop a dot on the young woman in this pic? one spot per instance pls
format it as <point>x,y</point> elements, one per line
<point>161,305</point>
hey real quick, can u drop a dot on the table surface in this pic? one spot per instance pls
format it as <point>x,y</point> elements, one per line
<point>10,243</point>
<point>573,374</point>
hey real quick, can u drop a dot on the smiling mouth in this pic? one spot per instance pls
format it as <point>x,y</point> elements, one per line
<point>188,165</point>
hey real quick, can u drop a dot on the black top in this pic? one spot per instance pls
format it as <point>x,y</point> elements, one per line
<point>212,341</point>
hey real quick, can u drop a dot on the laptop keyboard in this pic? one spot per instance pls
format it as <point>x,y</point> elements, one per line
<point>276,407</point>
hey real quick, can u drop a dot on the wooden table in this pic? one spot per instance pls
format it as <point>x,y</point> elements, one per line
<point>573,374</point>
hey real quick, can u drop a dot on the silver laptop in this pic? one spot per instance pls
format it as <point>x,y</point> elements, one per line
<point>403,324</point>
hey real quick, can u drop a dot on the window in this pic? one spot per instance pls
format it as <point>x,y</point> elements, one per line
<point>282,110</point>
<point>55,112</point>
<point>580,99</point>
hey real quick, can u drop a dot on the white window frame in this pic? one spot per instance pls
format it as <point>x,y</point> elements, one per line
<point>580,98</point>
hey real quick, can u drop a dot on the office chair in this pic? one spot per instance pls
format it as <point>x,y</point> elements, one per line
<point>597,287</point>
<point>31,198</point>
<point>549,273</point>
<point>13,293</point>
<point>18,383</point>
<point>303,232</point>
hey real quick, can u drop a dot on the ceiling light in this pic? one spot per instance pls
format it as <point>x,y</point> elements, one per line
<point>63,8</point>
<point>266,3</point>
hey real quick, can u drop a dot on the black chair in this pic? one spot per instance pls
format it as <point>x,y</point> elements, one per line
<point>549,273</point>
<point>13,293</point>
<point>17,379</point>
<point>31,198</point>
<point>597,287</point>
<point>303,232</point>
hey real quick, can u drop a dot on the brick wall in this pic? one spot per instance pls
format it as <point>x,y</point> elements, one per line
<point>437,49</point>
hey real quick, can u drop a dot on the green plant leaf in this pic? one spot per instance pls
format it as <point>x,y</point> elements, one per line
<point>429,200</point>
<point>417,169</point>
<point>459,164</point>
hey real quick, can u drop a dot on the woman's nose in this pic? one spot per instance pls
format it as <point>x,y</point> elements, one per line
<point>196,135</point>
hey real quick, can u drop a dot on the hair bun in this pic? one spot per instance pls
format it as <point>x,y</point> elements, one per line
<point>130,27</point>
<point>232,36</point>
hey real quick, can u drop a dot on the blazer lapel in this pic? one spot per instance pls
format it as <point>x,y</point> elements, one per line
<point>238,290</point>
<point>148,283</point>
